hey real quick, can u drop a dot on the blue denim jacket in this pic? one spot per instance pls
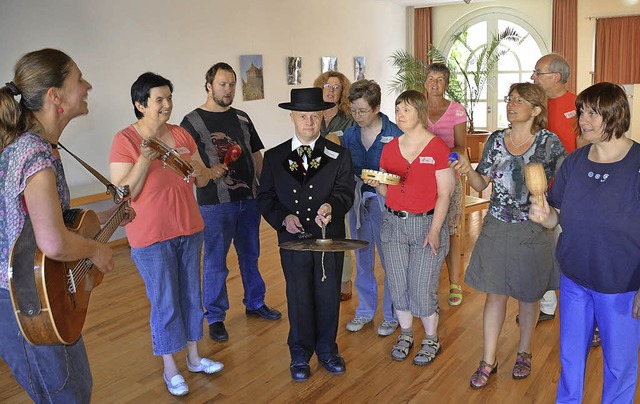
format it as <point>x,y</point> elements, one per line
<point>368,159</point>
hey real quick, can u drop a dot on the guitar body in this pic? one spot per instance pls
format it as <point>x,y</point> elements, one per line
<point>62,313</point>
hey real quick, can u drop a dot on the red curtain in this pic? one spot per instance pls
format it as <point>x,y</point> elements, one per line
<point>564,35</point>
<point>616,54</point>
<point>421,32</point>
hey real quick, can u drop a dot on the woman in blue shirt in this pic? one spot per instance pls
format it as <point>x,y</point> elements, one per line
<point>595,197</point>
<point>365,141</point>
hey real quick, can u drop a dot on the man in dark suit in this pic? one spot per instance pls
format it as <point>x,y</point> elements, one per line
<point>306,182</point>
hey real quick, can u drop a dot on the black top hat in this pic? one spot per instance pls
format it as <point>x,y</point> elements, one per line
<point>306,99</point>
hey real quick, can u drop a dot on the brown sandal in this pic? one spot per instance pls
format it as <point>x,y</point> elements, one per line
<point>481,377</point>
<point>400,350</point>
<point>522,368</point>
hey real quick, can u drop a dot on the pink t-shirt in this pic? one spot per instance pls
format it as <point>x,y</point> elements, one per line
<point>443,127</point>
<point>417,191</point>
<point>166,206</point>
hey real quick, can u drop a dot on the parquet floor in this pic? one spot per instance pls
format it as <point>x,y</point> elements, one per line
<point>257,362</point>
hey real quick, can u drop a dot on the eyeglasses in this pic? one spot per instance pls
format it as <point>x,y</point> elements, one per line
<point>360,112</point>
<point>539,73</point>
<point>517,100</point>
<point>334,87</point>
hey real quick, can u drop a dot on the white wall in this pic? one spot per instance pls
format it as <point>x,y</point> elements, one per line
<point>114,41</point>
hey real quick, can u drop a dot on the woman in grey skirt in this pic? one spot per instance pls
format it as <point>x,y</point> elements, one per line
<point>513,255</point>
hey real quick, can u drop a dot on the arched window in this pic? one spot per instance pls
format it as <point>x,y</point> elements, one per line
<point>515,65</point>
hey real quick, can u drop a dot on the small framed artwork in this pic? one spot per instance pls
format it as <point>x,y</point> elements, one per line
<point>252,77</point>
<point>329,63</point>
<point>294,73</point>
<point>359,63</point>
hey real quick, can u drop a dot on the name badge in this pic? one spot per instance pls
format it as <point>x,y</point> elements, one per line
<point>386,139</point>
<point>330,154</point>
<point>570,114</point>
<point>427,160</point>
<point>182,150</point>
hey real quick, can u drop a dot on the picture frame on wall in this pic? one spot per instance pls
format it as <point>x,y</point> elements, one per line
<point>359,64</point>
<point>294,70</point>
<point>251,72</point>
<point>329,63</point>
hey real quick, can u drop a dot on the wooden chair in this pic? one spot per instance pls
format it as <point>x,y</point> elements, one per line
<point>470,204</point>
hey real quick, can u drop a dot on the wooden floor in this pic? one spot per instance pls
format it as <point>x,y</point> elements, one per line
<point>256,357</point>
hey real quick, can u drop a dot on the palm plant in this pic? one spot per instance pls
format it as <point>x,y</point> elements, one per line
<point>470,68</point>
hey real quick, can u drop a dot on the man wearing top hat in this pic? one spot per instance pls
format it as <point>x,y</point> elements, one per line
<point>305,182</point>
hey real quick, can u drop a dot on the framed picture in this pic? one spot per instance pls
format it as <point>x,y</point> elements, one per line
<point>252,77</point>
<point>359,63</point>
<point>329,63</point>
<point>294,73</point>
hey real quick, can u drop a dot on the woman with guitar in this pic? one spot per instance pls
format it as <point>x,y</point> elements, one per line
<point>166,238</point>
<point>47,92</point>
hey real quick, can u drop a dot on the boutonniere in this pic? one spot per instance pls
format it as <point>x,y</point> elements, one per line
<point>315,163</point>
<point>293,165</point>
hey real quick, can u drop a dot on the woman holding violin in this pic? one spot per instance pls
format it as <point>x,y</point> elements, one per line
<point>166,239</point>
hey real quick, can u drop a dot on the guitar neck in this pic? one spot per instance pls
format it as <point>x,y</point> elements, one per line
<point>112,223</point>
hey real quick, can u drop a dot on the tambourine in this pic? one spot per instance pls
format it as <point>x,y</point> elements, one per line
<point>170,158</point>
<point>384,178</point>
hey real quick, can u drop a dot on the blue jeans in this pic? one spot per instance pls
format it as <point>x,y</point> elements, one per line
<point>223,223</point>
<point>580,309</point>
<point>48,373</point>
<point>366,284</point>
<point>171,273</point>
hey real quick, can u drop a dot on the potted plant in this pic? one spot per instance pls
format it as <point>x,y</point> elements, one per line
<point>470,68</point>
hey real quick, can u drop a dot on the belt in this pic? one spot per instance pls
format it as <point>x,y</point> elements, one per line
<point>403,214</point>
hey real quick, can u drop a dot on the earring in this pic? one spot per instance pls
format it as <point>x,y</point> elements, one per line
<point>60,110</point>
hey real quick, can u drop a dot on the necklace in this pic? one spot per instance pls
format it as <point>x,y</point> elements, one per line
<point>518,145</point>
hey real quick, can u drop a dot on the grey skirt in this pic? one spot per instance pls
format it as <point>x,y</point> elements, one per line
<point>514,259</point>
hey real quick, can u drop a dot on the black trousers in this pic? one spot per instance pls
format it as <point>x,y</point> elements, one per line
<point>313,304</point>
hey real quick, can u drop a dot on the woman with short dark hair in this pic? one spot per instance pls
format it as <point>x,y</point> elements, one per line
<point>166,239</point>
<point>595,197</point>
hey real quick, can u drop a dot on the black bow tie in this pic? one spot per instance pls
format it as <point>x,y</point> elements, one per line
<point>304,149</point>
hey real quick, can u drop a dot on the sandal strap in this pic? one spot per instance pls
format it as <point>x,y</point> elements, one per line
<point>453,286</point>
<point>484,369</point>
<point>523,360</point>
<point>404,341</point>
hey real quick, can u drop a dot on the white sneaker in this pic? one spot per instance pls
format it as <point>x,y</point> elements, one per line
<point>177,385</point>
<point>387,327</point>
<point>357,323</point>
<point>206,365</point>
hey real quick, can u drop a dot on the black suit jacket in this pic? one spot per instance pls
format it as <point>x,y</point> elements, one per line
<point>284,190</point>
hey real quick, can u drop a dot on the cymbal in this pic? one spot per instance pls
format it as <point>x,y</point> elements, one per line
<point>324,244</point>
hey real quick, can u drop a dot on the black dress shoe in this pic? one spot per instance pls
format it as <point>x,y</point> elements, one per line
<point>300,370</point>
<point>217,332</point>
<point>266,312</point>
<point>334,365</point>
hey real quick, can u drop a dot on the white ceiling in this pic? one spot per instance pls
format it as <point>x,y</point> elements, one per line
<point>428,3</point>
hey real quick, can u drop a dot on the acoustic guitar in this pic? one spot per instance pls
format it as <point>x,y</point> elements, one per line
<point>63,288</point>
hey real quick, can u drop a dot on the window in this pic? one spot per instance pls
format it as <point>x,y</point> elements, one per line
<point>514,66</point>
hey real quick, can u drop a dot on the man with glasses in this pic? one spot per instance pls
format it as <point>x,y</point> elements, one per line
<point>551,73</point>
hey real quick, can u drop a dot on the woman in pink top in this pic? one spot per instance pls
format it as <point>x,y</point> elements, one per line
<point>166,237</point>
<point>448,121</point>
<point>414,240</point>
